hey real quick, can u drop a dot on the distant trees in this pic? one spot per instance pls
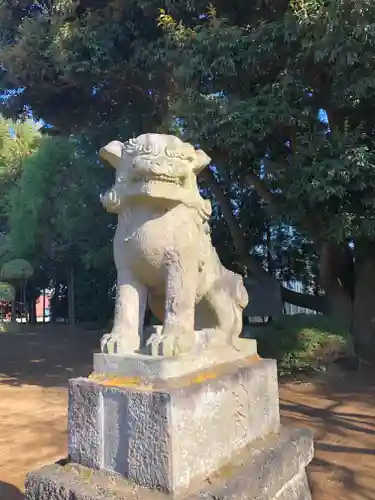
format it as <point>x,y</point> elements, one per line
<point>52,222</point>
<point>247,81</point>
<point>251,82</point>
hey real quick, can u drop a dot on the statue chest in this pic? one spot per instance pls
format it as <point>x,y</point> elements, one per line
<point>148,239</point>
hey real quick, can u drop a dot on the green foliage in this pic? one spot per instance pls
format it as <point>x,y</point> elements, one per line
<point>7,292</point>
<point>56,221</point>
<point>18,140</point>
<point>302,342</point>
<point>245,89</point>
<point>95,295</point>
<point>6,250</point>
<point>253,77</point>
<point>60,51</point>
<point>56,203</point>
<point>247,81</point>
<point>120,50</point>
<point>16,270</point>
<point>32,199</point>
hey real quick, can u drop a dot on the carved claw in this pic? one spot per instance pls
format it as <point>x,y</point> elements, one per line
<point>169,344</point>
<point>110,201</point>
<point>154,340</point>
<point>114,343</point>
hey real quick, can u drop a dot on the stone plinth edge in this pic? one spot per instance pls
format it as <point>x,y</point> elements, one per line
<point>269,469</point>
<point>167,434</point>
<point>157,367</point>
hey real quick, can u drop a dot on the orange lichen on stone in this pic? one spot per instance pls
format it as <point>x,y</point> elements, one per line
<point>225,471</point>
<point>96,377</point>
<point>254,357</point>
<point>199,379</point>
<point>119,381</point>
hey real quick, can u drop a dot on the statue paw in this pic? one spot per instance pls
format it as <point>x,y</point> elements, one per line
<point>110,343</point>
<point>117,343</point>
<point>166,343</point>
<point>110,201</point>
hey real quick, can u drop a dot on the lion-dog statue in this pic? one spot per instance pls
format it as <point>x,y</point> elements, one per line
<point>163,251</point>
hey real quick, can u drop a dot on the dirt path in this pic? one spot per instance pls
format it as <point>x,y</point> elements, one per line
<point>34,370</point>
<point>341,412</point>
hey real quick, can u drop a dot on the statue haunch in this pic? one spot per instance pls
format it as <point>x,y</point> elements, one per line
<point>163,251</point>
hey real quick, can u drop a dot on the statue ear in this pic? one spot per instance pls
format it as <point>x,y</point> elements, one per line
<point>112,153</point>
<point>201,162</point>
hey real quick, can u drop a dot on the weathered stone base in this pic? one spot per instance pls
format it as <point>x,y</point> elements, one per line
<point>151,368</point>
<point>296,489</point>
<point>168,433</point>
<point>269,469</point>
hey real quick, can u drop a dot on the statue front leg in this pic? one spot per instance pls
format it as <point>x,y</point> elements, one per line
<point>178,335</point>
<point>131,301</point>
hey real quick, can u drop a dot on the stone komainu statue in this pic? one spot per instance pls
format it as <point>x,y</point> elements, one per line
<point>163,251</point>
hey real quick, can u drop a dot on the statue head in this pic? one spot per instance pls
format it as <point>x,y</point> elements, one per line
<point>155,165</point>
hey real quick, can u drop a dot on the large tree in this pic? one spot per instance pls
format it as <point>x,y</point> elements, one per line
<point>56,221</point>
<point>18,141</point>
<point>248,80</point>
<point>250,90</point>
<point>85,64</point>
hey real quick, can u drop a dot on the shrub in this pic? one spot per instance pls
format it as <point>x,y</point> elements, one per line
<point>302,342</point>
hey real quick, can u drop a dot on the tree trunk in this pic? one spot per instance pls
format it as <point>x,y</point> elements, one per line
<point>305,300</point>
<point>339,306</point>
<point>363,324</point>
<point>14,311</point>
<point>235,230</point>
<point>336,268</point>
<point>71,298</point>
<point>24,308</point>
<point>270,268</point>
<point>32,317</point>
<point>308,301</point>
<point>44,305</point>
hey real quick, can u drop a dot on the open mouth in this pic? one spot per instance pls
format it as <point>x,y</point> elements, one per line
<point>164,179</point>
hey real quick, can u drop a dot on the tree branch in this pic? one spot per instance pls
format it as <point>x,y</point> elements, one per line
<point>260,187</point>
<point>306,225</point>
<point>305,300</point>
<point>239,243</point>
<point>315,303</point>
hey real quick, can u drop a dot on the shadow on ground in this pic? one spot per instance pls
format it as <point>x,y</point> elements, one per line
<point>35,367</point>
<point>47,357</point>
<point>340,409</point>
<point>10,492</point>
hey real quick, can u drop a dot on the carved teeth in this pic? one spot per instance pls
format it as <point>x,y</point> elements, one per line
<point>157,178</point>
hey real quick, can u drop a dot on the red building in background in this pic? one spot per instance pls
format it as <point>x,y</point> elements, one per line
<point>43,302</point>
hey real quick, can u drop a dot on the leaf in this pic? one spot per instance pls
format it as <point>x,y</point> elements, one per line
<point>7,292</point>
<point>17,269</point>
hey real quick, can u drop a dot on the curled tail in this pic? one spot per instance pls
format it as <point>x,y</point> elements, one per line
<point>237,288</point>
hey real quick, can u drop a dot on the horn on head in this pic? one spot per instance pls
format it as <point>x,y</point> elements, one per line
<point>202,160</point>
<point>112,153</point>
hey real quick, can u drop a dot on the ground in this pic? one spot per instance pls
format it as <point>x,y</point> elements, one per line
<point>35,367</point>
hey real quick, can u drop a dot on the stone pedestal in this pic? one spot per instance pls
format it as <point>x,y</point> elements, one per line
<point>154,368</point>
<point>212,432</point>
<point>164,436</point>
<point>269,469</point>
